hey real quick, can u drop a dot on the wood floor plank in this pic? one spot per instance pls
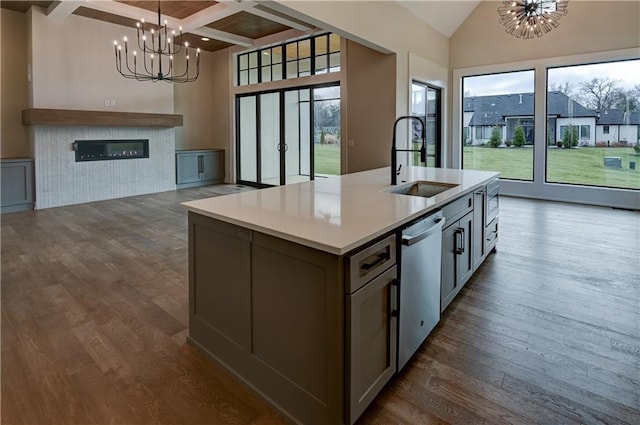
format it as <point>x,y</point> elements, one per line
<point>94,301</point>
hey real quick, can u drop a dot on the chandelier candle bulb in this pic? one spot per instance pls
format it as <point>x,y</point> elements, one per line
<point>161,51</point>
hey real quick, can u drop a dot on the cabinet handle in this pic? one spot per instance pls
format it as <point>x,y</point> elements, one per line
<point>393,299</point>
<point>459,245</point>
<point>200,164</point>
<point>381,258</point>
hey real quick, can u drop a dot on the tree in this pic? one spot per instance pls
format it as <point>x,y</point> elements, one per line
<point>599,93</point>
<point>518,137</point>
<point>570,137</point>
<point>495,139</point>
<point>565,87</point>
<point>627,100</point>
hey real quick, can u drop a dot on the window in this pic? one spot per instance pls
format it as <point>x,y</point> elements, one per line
<point>308,56</point>
<point>465,136</point>
<point>500,107</point>
<point>426,104</point>
<point>597,112</point>
<point>584,132</point>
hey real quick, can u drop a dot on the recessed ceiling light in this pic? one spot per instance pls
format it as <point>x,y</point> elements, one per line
<point>205,39</point>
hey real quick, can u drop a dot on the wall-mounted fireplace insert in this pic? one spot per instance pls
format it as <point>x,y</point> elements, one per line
<point>105,150</point>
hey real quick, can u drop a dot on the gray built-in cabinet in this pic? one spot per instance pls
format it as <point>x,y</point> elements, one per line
<point>313,332</point>
<point>17,185</point>
<point>372,323</point>
<point>199,167</point>
<point>469,235</point>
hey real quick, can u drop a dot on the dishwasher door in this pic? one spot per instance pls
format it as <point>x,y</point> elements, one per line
<point>420,265</point>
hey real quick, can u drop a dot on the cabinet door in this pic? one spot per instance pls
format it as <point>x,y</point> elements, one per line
<point>457,258</point>
<point>212,166</point>
<point>479,199</point>
<point>187,168</point>
<point>464,259</point>
<point>372,340</point>
<point>448,283</point>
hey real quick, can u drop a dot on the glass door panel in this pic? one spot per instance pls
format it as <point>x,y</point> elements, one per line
<point>270,138</point>
<point>326,125</point>
<point>296,135</point>
<point>247,139</point>
<point>288,136</point>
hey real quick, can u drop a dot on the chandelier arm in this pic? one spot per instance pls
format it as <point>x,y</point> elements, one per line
<point>159,50</point>
<point>531,18</point>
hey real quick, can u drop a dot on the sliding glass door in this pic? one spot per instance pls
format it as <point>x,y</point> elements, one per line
<point>279,133</point>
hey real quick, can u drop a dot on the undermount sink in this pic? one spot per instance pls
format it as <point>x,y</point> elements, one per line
<point>426,189</point>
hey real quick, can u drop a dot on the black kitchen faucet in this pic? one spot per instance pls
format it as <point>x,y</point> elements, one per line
<point>394,150</point>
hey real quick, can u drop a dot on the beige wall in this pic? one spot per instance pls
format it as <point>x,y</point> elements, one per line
<point>369,101</point>
<point>14,92</point>
<point>74,68</point>
<point>590,26</point>
<point>204,105</point>
<point>379,23</point>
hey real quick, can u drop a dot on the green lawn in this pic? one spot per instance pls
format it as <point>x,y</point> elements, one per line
<point>579,165</point>
<point>327,159</point>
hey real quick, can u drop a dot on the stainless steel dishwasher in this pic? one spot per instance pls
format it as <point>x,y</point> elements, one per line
<point>420,265</point>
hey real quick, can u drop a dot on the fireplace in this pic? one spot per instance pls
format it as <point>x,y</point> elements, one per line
<point>106,150</point>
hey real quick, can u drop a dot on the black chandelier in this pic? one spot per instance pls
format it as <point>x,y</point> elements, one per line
<point>158,50</point>
<point>526,18</point>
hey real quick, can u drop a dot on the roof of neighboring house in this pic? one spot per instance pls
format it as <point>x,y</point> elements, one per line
<point>618,117</point>
<point>491,110</point>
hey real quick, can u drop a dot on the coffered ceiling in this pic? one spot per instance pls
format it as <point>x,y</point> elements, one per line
<point>228,22</point>
<point>224,23</point>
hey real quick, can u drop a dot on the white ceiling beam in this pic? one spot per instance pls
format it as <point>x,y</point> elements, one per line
<point>62,9</point>
<point>131,12</point>
<point>136,13</point>
<point>223,36</point>
<point>250,7</point>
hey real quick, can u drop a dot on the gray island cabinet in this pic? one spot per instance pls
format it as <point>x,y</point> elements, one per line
<point>294,289</point>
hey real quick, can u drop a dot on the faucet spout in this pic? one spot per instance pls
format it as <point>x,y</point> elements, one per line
<point>395,150</point>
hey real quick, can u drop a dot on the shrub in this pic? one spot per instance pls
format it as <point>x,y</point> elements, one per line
<point>601,144</point>
<point>495,141</point>
<point>518,137</point>
<point>570,137</point>
<point>637,148</point>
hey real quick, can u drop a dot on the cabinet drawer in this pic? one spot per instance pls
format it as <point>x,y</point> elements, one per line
<point>370,262</point>
<point>458,208</point>
<point>491,232</point>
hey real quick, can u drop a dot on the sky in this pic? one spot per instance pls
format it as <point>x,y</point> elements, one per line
<point>628,72</point>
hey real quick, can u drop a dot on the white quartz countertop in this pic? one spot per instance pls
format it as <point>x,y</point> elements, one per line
<point>340,213</point>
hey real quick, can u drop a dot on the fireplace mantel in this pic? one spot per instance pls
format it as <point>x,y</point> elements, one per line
<point>98,118</point>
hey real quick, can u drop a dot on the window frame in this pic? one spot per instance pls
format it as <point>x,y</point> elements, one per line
<point>539,189</point>
<point>285,64</point>
<point>437,117</point>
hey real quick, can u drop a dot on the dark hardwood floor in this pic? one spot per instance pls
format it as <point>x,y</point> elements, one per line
<point>94,318</point>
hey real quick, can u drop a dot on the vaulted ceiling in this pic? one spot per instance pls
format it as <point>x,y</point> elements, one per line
<point>227,22</point>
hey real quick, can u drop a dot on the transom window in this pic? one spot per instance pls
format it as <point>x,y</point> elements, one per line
<point>315,55</point>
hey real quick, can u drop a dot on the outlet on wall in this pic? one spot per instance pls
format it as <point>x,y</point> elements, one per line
<point>112,103</point>
<point>106,103</point>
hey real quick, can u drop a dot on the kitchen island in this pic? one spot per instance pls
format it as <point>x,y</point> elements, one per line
<point>294,288</point>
